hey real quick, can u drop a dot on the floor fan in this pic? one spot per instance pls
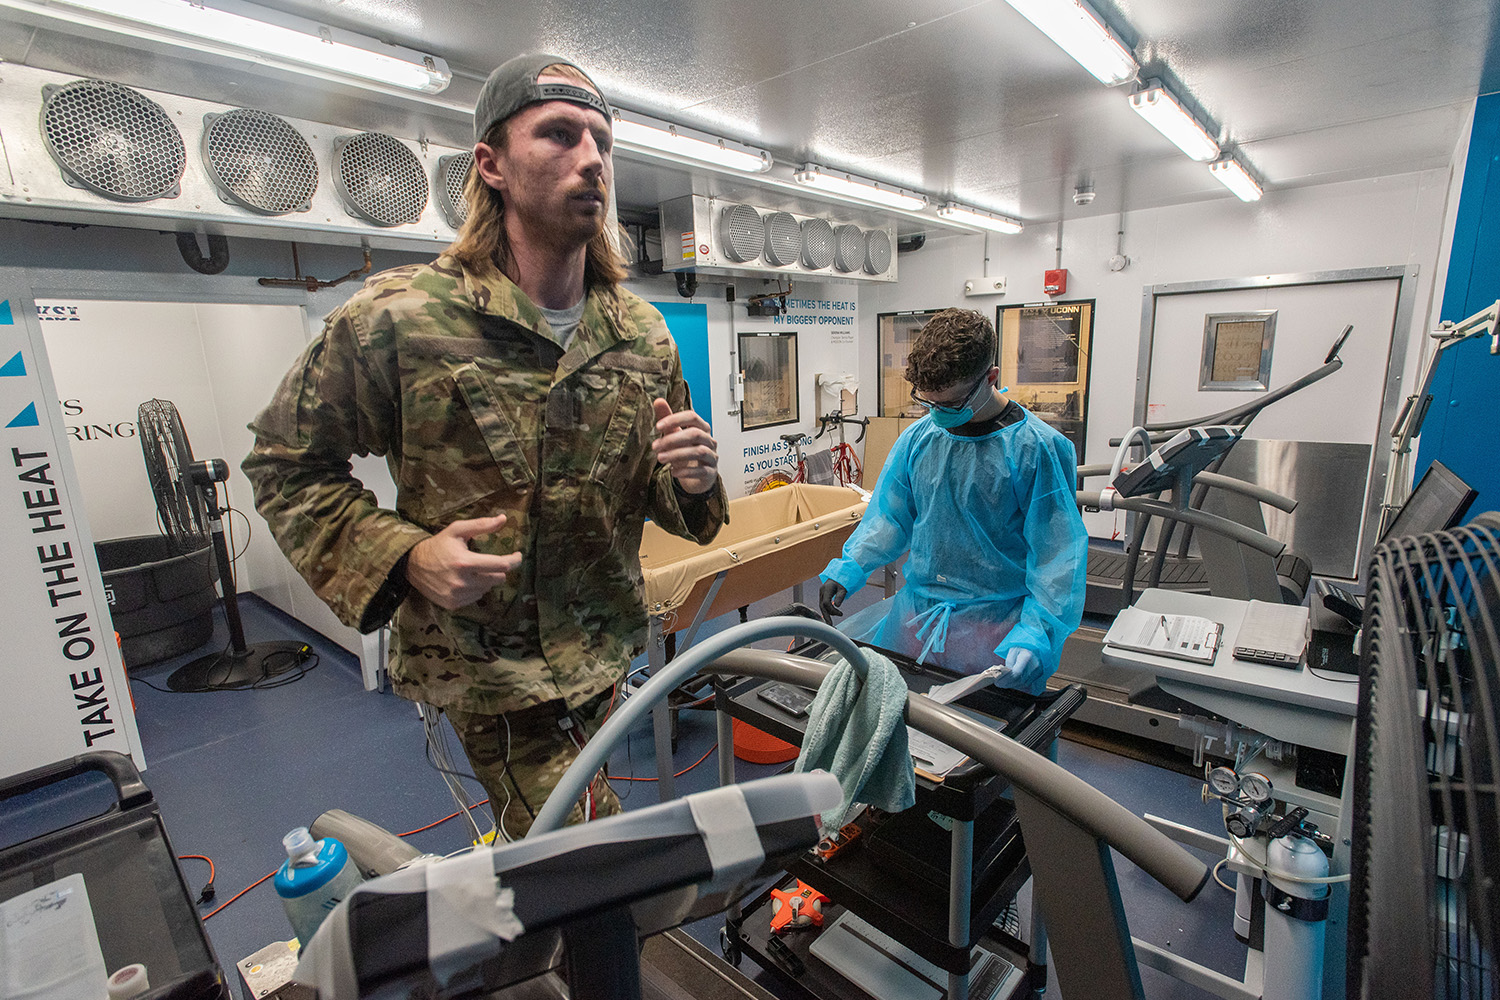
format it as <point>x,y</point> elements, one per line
<point>187,499</point>
<point>1424,902</point>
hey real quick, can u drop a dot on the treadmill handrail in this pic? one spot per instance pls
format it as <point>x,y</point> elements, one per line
<point>1243,413</point>
<point>1258,540</point>
<point>1070,796</point>
<point>1252,490</point>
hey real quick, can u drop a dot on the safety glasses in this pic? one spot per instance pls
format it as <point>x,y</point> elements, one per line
<point>948,408</point>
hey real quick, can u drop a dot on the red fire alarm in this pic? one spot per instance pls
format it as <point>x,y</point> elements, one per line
<point>1055,282</point>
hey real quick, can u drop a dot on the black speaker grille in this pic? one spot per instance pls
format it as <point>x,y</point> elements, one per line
<point>113,140</point>
<point>453,173</point>
<point>380,180</point>
<point>259,161</point>
<point>817,244</point>
<point>848,249</point>
<point>742,231</point>
<point>877,251</point>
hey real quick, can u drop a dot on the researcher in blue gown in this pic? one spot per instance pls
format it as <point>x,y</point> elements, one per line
<point>981,494</point>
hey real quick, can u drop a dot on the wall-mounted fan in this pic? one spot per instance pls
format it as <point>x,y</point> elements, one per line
<point>783,239</point>
<point>379,179</point>
<point>452,175</point>
<point>187,498</point>
<point>1424,899</point>
<point>742,232</point>
<point>848,248</point>
<point>259,162</point>
<point>112,140</point>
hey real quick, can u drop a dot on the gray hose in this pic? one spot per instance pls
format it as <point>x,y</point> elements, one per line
<point>596,752</point>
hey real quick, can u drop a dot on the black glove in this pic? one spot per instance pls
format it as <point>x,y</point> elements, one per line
<point>830,596</point>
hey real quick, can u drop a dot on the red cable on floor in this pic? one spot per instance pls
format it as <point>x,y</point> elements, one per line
<point>678,774</point>
<point>247,888</point>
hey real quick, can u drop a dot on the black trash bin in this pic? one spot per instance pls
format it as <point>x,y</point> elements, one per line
<point>161,599</point>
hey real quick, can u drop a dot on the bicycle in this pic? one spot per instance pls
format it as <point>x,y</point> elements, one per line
<point>839,464</point>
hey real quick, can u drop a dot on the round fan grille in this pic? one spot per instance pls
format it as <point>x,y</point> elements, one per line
<point>783,239</point>
<point>877,251</point>
<point>848,248</point>
<point>113,141</point>
<point>817,244</point>
<point>259,161</point>
<point>742,231</point>
<point>453,173</point>
<point>379,179</point>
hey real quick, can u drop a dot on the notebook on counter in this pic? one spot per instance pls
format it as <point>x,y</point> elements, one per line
<point>1182,637</point>
<point>1275,634</point>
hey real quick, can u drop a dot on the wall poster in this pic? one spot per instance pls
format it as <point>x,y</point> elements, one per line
<point>897,331</point>
<point>1044,358</point>
<point>768,361</point>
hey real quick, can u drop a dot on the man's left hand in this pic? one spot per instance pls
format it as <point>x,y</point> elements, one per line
<point>685,446</point>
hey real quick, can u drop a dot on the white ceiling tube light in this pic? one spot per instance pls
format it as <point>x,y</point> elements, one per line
<point>1082,34</point>
<point>1162,110</point>
<point>1236,178</point>
<point>266,35</point>
<point>842,185</point>
<point>633,131</point>
<point>954,212</point>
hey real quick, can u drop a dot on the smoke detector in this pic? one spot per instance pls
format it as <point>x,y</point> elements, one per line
<point>1083,194</point>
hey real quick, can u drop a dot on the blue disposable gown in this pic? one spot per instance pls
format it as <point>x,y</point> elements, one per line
<point>998,549</point>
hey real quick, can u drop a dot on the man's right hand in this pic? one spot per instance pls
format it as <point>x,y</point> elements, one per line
<point>448,573</point>
<point>830,596</point>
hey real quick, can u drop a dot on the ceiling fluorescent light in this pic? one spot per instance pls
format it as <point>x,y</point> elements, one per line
<point>955,212</point>
<point>844,186</point>
<point>1236,178</point>
<point>632,130</point>
<point>1082,34</point>
<point>248,28</point>
<point>1167,116</point>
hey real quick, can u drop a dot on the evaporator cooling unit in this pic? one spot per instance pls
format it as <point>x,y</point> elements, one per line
<point>379,179</point>
<point>720,237</point>
<point>259,162</point>
<point>453,173</point>
<point>112,140</point>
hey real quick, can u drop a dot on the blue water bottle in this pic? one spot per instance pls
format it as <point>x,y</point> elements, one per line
<point>316,876</point>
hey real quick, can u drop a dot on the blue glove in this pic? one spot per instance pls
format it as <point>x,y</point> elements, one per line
<point>1023,671</point>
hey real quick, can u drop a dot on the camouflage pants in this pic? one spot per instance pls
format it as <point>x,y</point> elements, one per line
<point>519,757</point>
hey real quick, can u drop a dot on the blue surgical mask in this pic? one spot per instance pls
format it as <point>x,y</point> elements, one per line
<point>951,418</point>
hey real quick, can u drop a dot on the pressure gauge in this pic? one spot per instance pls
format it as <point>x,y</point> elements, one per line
<point>1224,781</point>
<point>1256,788</point>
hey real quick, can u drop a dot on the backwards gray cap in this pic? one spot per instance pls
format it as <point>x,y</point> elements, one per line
<point>513,86</point>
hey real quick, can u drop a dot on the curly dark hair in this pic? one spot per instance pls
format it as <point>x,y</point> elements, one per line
<point>955,345</point>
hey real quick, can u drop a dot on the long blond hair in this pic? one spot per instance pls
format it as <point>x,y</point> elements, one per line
<point>482,245</point>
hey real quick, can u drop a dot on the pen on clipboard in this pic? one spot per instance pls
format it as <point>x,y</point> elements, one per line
<point>1166,628</point>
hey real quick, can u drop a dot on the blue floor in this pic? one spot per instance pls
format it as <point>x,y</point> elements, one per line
<point>234,771</point>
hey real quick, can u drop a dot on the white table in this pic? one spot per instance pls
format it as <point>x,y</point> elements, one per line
<point>1291,705</point>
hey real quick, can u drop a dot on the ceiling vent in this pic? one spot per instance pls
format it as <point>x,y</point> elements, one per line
<point>379,179</point>
<point>90,152</point>
<point>112,140</point>
<point>452,175</point>
<point>737,239</point>
<point>741,232</point>
<point>259,162</point>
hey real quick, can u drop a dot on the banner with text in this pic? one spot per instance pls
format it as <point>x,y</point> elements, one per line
<point>64,682</point>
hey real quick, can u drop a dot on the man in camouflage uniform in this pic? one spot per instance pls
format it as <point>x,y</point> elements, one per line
<point>533,413</point>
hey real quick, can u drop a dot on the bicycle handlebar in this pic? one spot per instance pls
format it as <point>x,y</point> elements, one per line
<point>839,418</point>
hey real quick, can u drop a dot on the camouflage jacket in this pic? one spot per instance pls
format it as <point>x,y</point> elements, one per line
<point>456,380</point>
